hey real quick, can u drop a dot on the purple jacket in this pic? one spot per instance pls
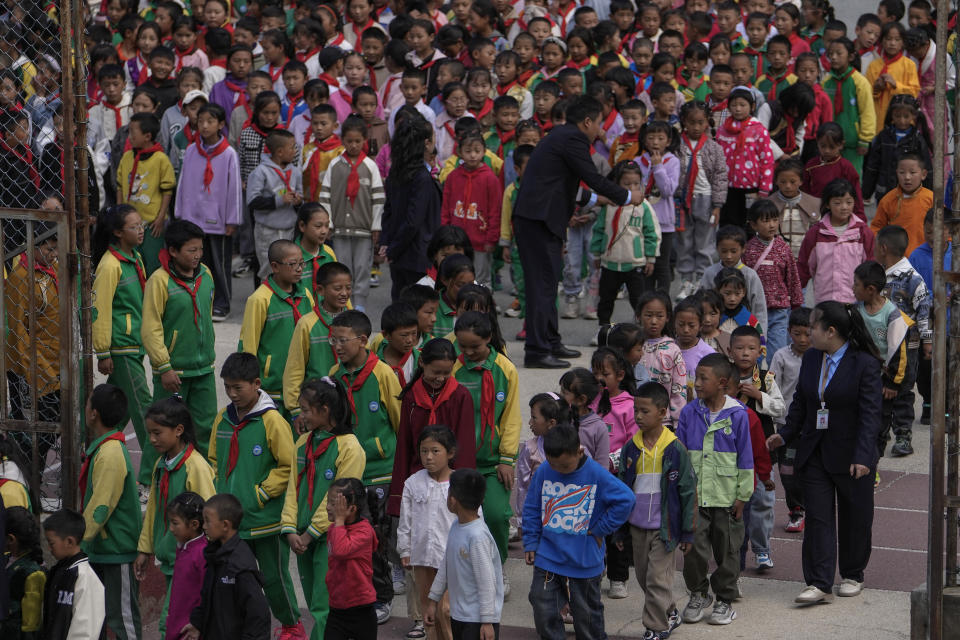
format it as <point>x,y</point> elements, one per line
<point>666,178</point>
<point>595,438</point>
<point>214,206</point>
<point>188,571</point>
<point>220,94</point>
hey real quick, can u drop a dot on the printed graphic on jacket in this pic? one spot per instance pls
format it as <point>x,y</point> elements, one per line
<point>567,508</point>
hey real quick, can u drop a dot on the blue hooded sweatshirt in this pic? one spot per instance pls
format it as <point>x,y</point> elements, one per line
<point>566,517</point>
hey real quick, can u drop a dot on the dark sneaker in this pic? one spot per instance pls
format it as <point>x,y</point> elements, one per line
<point>901,447</point>
<point>796,523</point>
<point>925,415</point>
<point>655,635</point>
<point>673,620</point>
<point>696,607</point>
<point>383,611</point>
<point>219,316</point>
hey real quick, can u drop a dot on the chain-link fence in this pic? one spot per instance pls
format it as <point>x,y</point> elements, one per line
<point>41,59</point>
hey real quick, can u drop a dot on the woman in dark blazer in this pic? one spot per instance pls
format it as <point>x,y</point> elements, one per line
<point>411,213</point>
<point>833,423</point>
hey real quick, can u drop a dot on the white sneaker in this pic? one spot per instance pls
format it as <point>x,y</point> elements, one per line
<point>813,595</point>
<point>595,340</point>
<point>590,314</point>
<point>849,588</point>
<point>399,581</point>
<point>571,308</point>
<point>506,587</point>
<point>618,589</point>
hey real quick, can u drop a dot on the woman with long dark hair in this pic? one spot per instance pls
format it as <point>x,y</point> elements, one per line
<point>833,424</point>
<point>412,210</point>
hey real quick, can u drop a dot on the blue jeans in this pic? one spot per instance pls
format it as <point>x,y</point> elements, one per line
<point>578,248</point>
<point>776,333</point>
<point>761,519</point>
<point>550,591</point>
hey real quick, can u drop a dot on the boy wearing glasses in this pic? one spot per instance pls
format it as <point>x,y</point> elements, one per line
<point>372,388</point>
<point>272,313</point>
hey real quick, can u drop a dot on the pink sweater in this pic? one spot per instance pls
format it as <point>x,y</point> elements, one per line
<point>664,360</point>
<point>749,157</point>
<point>188,571</point>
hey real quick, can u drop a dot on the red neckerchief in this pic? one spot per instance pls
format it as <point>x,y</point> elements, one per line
<point>353,178</point>
<point>291,299</point>
<point>645,161</point>
<point>143,71</point>
<point>503,89</point>
<point>42,268</point>
<point>790,145</point>
<point>758,55</point>
<point>250,124</point>
<point>624,41</point>
<point>347,96</point>
<point>387,87</point>
<point>544,126</point>
<point>276,73</point>
<point>505,137</point>
<point>213,153</point>
<point>360,380</point>
<point>219,63</point>
<point>85,467</point>
<point>614,225</point>
<point>694,166</point>
<point>155,148</point>
<point>313,164</point>
<point>358,33</point>
<point>487,402</point>
<point>626,146</point>
<point>235,445</point>
<point>189,134</point>
<point>484,110</point>
<point>887,61</point>
<point>330,80</point>
<point>303,56</point>
<point>285,176</point>
<point>164,258</point>
<point>117,113</point>
<point>720,106</point>
<point>241,97</point>
<point>27,158</point>
<point>579,66</point>
<point>737,128</point>
<point>293,98</point>
<point>138,264</point>
<point>432,273</point>
<point>422,398</point>
<point>336,41</point>
<point>448,127</point>
<point>372,78</point>
<point>524,77</point>
<point>776,80</point>
<point>399,369</point>
<point>181,55</point>
<point>564,16</point>
<point>317,310</point>
<point>312,454</point>
<point>609,120</point>
<point>163,487</point>
<point>865,50</point>
<point>425,66</point>
<point>839,81</point>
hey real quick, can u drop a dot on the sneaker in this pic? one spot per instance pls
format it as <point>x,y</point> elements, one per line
<point>245,266</point>
<point>417,631</point>
<point>143,491</point>
<point>797,520</point>
<point>925,414</point>
<point>590,314</point>
<point>513,311</point>
<point>506,587</point>
<point>514,533</point>
<point>849,588</point>
<point>292,632</point>
<point>522,335</point>
<point>399,581</point>
<point>618,589</point>
<point>764,562</point>
<point>50,505</point>
<point>901,447</point>
<point>655,635</point>
<point>374,281</point>
<point>571,308</point>
<point>696,607</point>
<point>876,481</point>
<point>687,288</point>
<point>813,595</point>
<point>739,589</point>
<point>722,613</point>
<point>674,620</point>
<point>383,611</point>
<point>219,316</point>
<point>595,340</point>
<point>622,293</point>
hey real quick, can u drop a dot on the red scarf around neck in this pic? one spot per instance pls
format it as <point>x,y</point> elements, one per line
<point>423,399</point>
<point>360,380</point>
<point>503,89</point>
<point>839,81</point>
<point>164,258</point>
<point>136,163</point>
<point>694,167</point>
<point>136,262</point>
<point>240,90</point>
<point>737,128</point>
<point>276,73</point>
<point>291,299</point>
<point>209,156</point>
<point>235,445</point>
<point>312,452</point>
<point>887,61</point>
<point>293,99</point>
<point>117,113</point>
<point>353,178</point>
<point>41,268</point>
<point>163,486</point>
<point>487,400</point>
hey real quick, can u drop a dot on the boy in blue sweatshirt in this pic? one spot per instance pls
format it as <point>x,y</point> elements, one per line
<point>715,430</point>
<point>657,467</point>
<point>572,505</point>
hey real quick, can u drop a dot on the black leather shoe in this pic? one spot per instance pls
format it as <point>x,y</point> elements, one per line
<point>545,362</point>
<point>564,352</point>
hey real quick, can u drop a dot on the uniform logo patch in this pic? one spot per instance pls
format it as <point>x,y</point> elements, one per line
<point>673,475</point>
<point>501,396</point>
<point>727,430</point>
<point>374,406</point>
<point>257,449</point>
<point>328,474</point>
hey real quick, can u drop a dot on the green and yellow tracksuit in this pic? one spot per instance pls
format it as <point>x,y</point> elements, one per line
<point>858,118</point>
<point>14,494</point>
<point>494,386</point>
<point>252,457</point>
<point>27,581</point>
<point>177,335</point>
<point>407,367</point>
<point>373,390</point>
<point>111,510</point>
<point>312,262</point>
<point>446,317</point>
<point>269,320</point>
<point>309,357</point>
<point>118,289</point>
<point>507,240</point>
<point>330,458</point>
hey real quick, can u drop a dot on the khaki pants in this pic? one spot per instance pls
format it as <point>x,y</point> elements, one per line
<point>654,567</point>
<point>720,535</point>
<point>423,576</point>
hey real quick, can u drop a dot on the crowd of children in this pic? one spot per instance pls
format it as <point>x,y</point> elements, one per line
<point>317,140</point>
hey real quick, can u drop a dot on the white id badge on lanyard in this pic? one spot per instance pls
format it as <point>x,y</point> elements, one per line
<point>823,416</point>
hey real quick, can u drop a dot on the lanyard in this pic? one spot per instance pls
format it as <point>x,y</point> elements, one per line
<point>824,369</point>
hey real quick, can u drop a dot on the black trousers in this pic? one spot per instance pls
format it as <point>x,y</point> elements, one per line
<point>541,255</point>
<point>610,283</point>
<point>619,560</point>
<point>380,521</point>
<point>217,255</point>
<point>788,476</point>
<point>897,413</point>
<point>663,268</point>
<point>471,630</point>
<point>400,278</point>
<point>839,524</point>
<point>925,381</point>
<point>355,623</point>
<point>734,210</point>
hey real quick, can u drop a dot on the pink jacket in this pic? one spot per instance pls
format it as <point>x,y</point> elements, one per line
<point>621,420</point>
<point>830,258</point>
<point>752,166</point>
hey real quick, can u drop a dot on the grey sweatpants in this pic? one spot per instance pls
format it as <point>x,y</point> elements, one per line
<point>696,244</point>
<point>263,237</point>
<point>357,253</point>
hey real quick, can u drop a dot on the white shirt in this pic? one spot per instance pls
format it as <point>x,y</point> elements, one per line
<point>424,520</point>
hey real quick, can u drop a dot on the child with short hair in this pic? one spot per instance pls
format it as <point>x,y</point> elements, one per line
<point>293,103</point>
<point>274,189</point>
<point>73,602</point>
<point>656,466</point>
<point>830,164</point>
<point>145,180</point>
<point>352,191</point>
<point>112,112</point>
<point>907,290</point>
<point>905,132</point>
<point>232,601</point>
<point>777,76</point>
<point>718,102</point>
<point>687,326</point>
<point>769,255</point>
<point>469,570</point>
<point>747,147</point>
<point>251,422</point>
<point>565,541</point>
<point>731,287</point>
<point>189,107</point>
<point>242,115</point>
<point>326,452</point>
<point>177,329</point>
<point>373,390</point>
<point>313,228</point>
<point>400,334</point>
<point>720,524</point>
<point>867,34</point>
<point>908,203</point>
<point>660,175</point>
<point>785,367</point>
<point>320,148</point>
<point>231,92</point>
<point>798,210</point>
<point>501,138</point>
<point>626,146</point>
<point>25,575</point>
<point>111,509</point>
<point>731,243</point>
<point>546,412</point>
<point>185,514</point>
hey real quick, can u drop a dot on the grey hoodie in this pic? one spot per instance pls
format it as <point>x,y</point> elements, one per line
<point>267,181</point>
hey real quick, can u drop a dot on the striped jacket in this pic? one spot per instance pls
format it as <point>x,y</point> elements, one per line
<point>361,215</point>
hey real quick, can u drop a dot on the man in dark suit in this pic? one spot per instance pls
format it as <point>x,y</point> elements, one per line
<point>548,193</point>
